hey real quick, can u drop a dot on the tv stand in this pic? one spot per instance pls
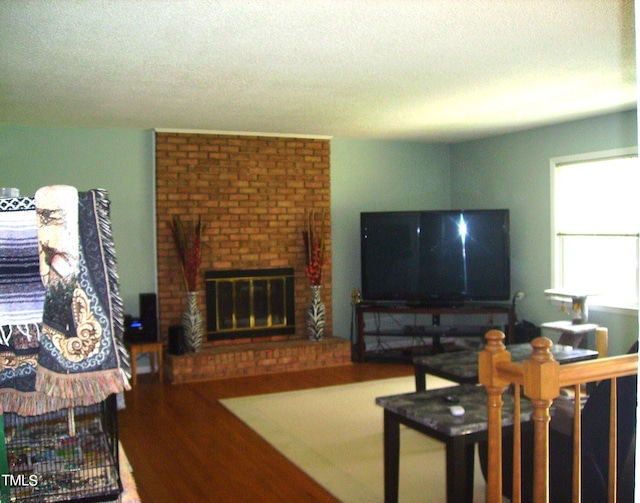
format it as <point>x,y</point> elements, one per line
<point>435,311</point>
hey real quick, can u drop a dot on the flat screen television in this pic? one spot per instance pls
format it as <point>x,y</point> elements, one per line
<point>435,257</point>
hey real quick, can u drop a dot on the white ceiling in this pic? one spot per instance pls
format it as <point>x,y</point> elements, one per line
<point>438,70</point>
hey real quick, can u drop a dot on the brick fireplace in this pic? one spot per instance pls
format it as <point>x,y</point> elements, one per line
<point>253,193</point>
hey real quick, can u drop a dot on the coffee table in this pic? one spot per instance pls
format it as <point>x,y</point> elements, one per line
<point>427,412</point>
<point>462,366</point>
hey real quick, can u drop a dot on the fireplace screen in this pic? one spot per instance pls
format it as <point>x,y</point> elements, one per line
<point>249,303</point>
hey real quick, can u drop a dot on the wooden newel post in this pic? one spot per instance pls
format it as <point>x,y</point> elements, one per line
<point>541,386</point>
<point>494,352</point>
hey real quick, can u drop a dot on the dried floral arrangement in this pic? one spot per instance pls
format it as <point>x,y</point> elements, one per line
<point>187,237</point>
<point>314,247</point>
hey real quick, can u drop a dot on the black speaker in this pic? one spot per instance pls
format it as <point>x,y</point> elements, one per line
<point>176,340</point>
<point>149,316</point>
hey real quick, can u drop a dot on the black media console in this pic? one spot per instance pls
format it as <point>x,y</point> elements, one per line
<point>435,330</point>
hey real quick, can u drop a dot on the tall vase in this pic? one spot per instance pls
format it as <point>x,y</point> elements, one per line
<point>315,315</point>
<point>192,324</point>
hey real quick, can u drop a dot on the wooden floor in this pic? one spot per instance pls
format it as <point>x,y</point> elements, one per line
<point>184,446</point>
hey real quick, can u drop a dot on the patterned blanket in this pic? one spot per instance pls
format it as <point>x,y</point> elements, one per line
<point>64,346</point>
<point>21,291</point>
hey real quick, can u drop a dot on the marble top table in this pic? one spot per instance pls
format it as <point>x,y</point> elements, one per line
<point>462,366</point>
<point>428,412</point>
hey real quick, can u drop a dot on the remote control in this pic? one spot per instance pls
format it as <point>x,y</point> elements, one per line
<point>456,410</point>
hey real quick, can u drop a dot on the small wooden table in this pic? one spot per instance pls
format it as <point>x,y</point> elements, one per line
<point>155,357</point>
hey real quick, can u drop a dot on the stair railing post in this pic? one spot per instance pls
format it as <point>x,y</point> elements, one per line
<point>541,386</point>
<point>493,352</point>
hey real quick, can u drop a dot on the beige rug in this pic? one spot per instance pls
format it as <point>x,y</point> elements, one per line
<point>335,435</point>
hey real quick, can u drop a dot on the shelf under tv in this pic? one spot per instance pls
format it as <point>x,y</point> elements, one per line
<point>435,330</point>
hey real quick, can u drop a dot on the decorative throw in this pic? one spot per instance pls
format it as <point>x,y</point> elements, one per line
<point>21,291</point>
<point>21,299</point>
<point>79,357</point>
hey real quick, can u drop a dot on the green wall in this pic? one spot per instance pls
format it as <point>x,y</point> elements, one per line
<point>120,161</point>
<point>513,171</point>
<point>510,171</point>
<point>376,176</point>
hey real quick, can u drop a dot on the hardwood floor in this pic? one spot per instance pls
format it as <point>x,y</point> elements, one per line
<point>184,446</point>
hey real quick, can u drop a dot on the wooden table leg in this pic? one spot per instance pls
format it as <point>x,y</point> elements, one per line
<point>391,457</point>
<point>159,362</point>
<point>134,362</point>
<point>153,361</point>
<point>460,468</point>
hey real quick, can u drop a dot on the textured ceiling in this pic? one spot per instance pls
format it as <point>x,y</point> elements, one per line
<point>438,70</point>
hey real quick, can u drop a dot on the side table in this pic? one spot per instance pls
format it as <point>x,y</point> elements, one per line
<point>573,334</point>
<point>426,412</point>
<point>462,366</point>
<point>155,357</point>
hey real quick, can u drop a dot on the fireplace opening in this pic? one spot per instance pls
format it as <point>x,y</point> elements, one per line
<point>249,303</point>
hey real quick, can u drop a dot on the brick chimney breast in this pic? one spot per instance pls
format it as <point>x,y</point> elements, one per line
<point>253,193</point>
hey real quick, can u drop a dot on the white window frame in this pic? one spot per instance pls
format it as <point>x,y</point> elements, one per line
<point>556,266</point>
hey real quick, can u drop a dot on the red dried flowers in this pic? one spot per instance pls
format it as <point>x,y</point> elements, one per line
<point>314,245</point>
<point>188,240</point>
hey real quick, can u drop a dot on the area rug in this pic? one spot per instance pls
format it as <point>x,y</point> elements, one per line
<point>335,435</point>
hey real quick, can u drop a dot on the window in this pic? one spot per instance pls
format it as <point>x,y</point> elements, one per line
<point>597,223</point>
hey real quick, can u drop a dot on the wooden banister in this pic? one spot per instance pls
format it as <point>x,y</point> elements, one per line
<point>613,444</point>
<point>541,387</point>
<point>598,370</point>
<point>494,353</point>
<point>602,342</point>
<point>541,378</point>
<point>576,474</point>
<point>517,448</point>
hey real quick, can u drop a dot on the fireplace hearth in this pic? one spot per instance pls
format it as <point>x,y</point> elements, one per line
<point>249,303</point>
